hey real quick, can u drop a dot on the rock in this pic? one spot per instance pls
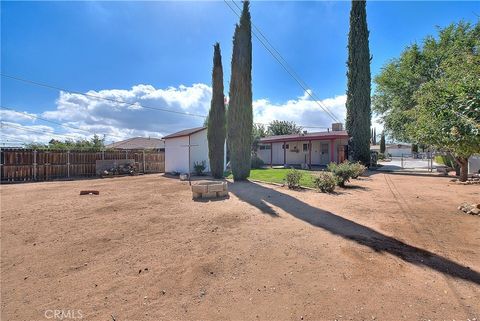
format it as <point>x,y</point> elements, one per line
<point>163,292</point>
<point>475,211</point>
<point>477,205</point>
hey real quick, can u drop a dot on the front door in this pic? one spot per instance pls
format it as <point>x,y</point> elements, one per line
<point>324,154</point>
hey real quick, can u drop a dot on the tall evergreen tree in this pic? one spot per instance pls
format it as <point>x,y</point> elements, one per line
<point>358,92</point>
<point>374,136</point>
<point>216,130</point>
<point>382,143</point>
<point>240,113</point>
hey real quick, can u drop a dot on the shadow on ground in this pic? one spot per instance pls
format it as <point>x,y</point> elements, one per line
<point>260,197</point>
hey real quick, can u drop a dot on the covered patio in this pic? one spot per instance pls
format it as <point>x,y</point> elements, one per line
<point>311,149</point>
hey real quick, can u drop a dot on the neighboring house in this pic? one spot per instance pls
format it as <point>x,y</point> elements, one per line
<point>139,143</point>
<point>184,148</point>
<point>395,150</point>
<point>474,164</point>
<point>319,148</point>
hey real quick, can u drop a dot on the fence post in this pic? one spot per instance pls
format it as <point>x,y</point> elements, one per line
<point>126,153</point>
<point>103,154</point>
<point>68,163</point>
<point>143,161</point>
<point>34,165</point>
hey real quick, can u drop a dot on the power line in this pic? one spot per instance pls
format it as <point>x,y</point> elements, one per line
<point>99,97</point>
<point>88,95</point>
<point>57,123</point>
<point>285,65</point>
<point>39,131</point>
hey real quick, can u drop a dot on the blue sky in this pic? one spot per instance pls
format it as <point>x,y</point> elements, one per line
<point>112,47</point>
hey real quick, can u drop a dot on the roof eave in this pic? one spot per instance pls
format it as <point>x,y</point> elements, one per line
<point>302,138</point>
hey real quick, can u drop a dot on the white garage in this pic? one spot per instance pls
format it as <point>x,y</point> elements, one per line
<point>184,148</point>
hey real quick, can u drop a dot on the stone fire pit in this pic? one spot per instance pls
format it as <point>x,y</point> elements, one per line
<point>209,190</point>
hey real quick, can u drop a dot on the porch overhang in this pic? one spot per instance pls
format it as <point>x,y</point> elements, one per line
<point>306,137</point>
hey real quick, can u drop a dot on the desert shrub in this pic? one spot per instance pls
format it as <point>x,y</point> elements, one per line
<point>343,172</point>
<point>358,169</point>
<point>199,167</point>
<point>257,162</point>
<point>293,178</point>
<point>325,182</point>
<point>381,156</point>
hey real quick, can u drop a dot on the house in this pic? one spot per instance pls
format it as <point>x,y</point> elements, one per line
<point>317,148</point>
<point>139,143</point>
<point>184,148</point>
<point>474,164</point>
<point>395,150</point>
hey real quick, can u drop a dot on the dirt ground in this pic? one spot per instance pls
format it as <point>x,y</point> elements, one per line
<point>392,247</point>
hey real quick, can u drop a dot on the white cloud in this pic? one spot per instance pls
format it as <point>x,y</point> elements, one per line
<point>119,121</point>
<point>303,111</point>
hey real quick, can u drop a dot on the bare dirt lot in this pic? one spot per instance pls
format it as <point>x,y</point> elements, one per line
<point>393,247</point>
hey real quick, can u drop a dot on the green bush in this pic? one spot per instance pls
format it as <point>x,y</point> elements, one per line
<point>257,162</point>
<point>446,160</point>
<point>343,172</point>
<point>358,169</point>
<point>293,178</point>
<point>325,182</point>
<point>199,167</point>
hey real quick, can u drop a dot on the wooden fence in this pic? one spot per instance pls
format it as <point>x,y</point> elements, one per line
<point>23,165</point>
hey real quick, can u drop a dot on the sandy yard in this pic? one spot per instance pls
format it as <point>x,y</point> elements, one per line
<point>391,248</point>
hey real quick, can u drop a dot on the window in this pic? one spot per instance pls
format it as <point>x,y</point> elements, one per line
<point>264,147</point>
<point>285,146</point>
<point>305,147</point>
<point>324,149</point>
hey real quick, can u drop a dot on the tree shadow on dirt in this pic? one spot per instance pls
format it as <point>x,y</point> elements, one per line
<point>260,197</point>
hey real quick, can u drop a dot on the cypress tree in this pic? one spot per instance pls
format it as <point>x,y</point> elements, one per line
<point>382,143</point>
<point>374,136</point>
<point>358,91</point>
<point>240,114</point>
<point>216,130</point>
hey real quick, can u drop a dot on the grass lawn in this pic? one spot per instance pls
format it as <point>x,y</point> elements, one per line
<point>277,175</point>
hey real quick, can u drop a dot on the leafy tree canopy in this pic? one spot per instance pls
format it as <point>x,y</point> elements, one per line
<point>431,94</point>
<point>283,127</point>
<point>95,143</point>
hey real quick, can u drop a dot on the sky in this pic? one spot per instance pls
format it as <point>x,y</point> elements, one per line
<point>159,54</point>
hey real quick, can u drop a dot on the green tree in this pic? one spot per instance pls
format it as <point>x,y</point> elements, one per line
<point>240,113</point>
<point>382,143</point>
<point>216,130</point>
<point>258,131</point>
<point>431,94</point>
<point>283,127</point>
<point>358,87</point>
<point>95,143</point>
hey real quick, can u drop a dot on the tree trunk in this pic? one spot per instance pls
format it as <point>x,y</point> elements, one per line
<point>463,163</point>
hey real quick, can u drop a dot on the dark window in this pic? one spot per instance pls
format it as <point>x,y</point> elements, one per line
<point>305,147</point>
<point>285,146</point>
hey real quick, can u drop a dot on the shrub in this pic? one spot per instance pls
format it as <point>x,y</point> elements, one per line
<point>381,156</point>
<point>358,169</point>
<point>257,162</point>
<point>199,167</point>
<point>293,178</point>
<point>325,182</point>
<point>343,172</point>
